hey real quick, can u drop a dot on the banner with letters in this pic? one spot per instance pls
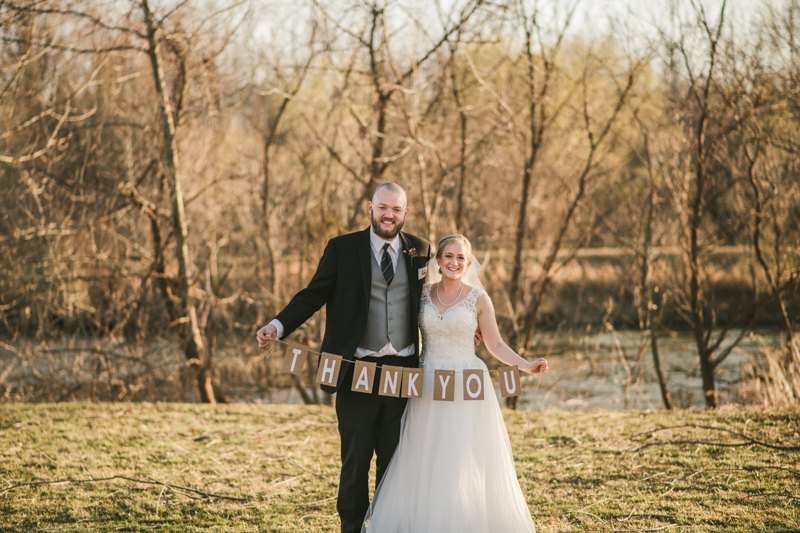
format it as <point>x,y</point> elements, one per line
<point>399,381</point>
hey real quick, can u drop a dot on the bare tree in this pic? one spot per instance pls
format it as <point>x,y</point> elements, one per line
<point>269,130</point>
<point>166,172</point>
<point>649,320</point>
<point>149,37</point>
<point>386,75</point>
<point>703,173</point>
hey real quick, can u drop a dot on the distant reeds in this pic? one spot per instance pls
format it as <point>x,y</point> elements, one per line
<point>772,377</point>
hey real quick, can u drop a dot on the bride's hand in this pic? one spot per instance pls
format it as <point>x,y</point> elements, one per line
<point>536,367</point>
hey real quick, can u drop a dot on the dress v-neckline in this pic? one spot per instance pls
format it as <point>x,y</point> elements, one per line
<point>441,314</point>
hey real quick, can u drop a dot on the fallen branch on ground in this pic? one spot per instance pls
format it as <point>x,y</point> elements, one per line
<point>208,495</point>
<point>766,494</point>
<point>747,469</point>
<point>749,440</point>
<point>625,518</point>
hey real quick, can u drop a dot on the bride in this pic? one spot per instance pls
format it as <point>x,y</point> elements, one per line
<point>453,470</point>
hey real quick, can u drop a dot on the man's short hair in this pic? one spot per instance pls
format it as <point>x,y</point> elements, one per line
<point>391,187</point>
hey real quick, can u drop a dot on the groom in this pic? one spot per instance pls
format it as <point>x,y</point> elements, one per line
<point>370,282</point>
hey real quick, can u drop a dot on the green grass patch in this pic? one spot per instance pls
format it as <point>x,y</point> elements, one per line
<point>237,468</point>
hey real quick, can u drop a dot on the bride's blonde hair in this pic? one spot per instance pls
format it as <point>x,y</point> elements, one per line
<point>450,239</point>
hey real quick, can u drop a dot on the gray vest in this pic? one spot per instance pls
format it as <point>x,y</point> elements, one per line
<point>389,309</point>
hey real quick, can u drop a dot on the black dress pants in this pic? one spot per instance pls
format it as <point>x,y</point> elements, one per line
<point>368,424</point>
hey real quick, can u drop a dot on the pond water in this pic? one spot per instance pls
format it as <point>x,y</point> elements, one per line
<point>588,370</point>
<point>600,371</point>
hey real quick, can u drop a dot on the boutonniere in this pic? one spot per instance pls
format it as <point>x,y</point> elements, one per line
<point>411,253</point>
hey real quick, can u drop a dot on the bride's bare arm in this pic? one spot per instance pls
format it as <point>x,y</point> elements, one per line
<point>487,323</point>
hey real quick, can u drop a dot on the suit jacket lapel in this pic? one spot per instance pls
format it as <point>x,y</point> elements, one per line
<point>365,258</point>
<point>414,286</point>
<point>411,271</point>
<point>406,245</point>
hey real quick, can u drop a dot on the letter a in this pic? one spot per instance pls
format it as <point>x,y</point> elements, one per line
<point>362,378</point>
<point>363,375</point>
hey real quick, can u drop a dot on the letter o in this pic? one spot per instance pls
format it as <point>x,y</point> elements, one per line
<point>477,378</point>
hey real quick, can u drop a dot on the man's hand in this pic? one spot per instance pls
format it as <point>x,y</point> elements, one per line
<point>478,337</point>
<point>266,336</point>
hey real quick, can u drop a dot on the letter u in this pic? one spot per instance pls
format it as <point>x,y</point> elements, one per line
<point>511,389</point>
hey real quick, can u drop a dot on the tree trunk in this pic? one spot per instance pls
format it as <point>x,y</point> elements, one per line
<point>696,299</point>
<point>274,281</point>
<point>699,168</point>
<point>644,296</point>
<point>298,385</point>
<point>709,386</point>
<point>522,219</point>
<point>461,223</point>
<point>212,292</point>
<point>193,346</point>
<point>662,382</point>
<point>377,166</point>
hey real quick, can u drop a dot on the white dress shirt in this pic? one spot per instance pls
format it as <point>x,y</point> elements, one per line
<point>376,243</point>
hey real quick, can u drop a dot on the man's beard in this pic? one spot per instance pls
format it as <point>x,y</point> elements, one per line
<point>390,234</point>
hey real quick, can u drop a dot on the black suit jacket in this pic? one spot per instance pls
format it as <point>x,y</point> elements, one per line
<point>342,283</point>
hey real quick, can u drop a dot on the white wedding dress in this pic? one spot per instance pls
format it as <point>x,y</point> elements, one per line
<point>452,470</point>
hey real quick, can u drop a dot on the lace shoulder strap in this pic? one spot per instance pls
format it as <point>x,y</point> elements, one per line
<point>472,297</point>
<point>426,292</point>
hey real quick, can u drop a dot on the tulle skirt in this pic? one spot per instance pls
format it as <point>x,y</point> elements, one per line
<point>453,470</point>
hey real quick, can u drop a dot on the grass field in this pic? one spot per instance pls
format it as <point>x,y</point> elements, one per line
<point>235,468</point>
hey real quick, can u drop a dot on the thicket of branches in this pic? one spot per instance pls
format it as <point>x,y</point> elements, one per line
<point>178,167</point>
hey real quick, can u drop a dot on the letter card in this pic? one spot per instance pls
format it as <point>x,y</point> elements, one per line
<point>412,383</point>
<point>328,370</point>
<point>391,380</point>
<point>444,385</point>
<point>363,377</point>
<point>509,381</point>
<point>295,359</point>
<point>473,384</point>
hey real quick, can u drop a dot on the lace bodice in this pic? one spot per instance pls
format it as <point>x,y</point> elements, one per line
<point>448,338</point>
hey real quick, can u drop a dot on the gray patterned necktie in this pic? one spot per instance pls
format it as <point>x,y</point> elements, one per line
<point>386,265</point>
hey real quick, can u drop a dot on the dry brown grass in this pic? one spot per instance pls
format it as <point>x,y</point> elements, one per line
<point>580,472</point>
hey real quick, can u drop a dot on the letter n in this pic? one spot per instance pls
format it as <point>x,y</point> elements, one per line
<point>390,381</point>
